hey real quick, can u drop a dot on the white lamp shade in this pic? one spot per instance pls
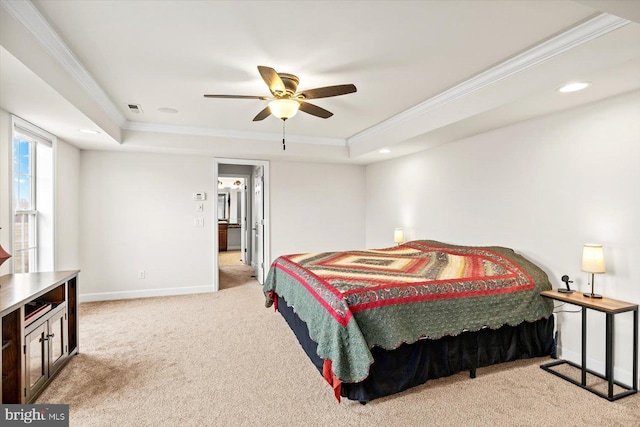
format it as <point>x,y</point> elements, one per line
<point>284,108</point>
<point>398,235</point>
<point>593,259</point>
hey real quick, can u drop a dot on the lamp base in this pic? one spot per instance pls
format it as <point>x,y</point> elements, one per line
<point>565,291</point>
<point>590,295</point>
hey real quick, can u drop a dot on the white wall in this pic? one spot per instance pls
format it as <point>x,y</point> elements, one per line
<point>316,207</point>
<point>543,187</point>
<point>67,207</point>
<point>137,213</point>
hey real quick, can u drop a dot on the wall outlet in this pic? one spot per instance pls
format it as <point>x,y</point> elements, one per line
<point>141,274</point>
<point>198,222</point>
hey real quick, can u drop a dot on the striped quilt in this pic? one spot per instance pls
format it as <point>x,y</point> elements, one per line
<point>352,301</point>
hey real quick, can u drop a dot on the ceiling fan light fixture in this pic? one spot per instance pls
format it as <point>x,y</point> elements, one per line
<point>284,108</point>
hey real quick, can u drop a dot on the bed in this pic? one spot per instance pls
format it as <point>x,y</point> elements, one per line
<point>376,322</point>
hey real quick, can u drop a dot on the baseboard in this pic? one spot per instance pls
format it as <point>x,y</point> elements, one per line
<point>619,374</point>
<point>146,293</point>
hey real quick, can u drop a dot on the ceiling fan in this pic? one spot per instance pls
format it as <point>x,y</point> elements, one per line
<point>286,100</point>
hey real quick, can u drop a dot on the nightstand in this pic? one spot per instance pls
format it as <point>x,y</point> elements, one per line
<point>610,307</point>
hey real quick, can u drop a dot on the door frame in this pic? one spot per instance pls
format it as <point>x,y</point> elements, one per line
<point>214,215</point>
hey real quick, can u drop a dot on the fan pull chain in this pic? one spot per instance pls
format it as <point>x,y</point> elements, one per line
<point>284,147</point>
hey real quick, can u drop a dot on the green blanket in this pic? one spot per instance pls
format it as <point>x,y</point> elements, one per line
<point>352,301</point>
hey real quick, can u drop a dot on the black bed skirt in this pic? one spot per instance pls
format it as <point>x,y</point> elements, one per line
<point>413,364</point>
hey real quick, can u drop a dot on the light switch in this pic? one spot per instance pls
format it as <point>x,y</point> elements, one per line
<point>199,206</point>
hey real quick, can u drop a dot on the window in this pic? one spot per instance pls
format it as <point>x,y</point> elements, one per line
<point>32,198</point>
<point>24,226</point>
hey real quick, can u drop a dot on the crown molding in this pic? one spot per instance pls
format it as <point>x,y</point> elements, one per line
<point>576,36</point>
<point>231,134</point>
<point>33,21</point>
<point>29,16</point>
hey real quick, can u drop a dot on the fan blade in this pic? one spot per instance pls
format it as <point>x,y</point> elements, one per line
<point>236,96</point>
<point>314,110</point>
<point>262,114</point>
<point>272,79</point>
<point>325,92</point>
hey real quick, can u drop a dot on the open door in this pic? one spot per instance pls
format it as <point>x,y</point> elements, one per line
<point>243,224</point>
<point>258,223</point>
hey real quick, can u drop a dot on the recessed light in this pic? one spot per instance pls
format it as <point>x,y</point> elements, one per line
<point>574,87</point>
<point>384,151</point>
<point>89,131</point>
<point>167,110</point>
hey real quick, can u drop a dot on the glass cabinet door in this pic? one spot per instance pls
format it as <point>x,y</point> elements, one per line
<point>57,341</point>
<point>36,371</point>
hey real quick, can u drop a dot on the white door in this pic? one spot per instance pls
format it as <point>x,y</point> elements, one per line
<point>258,223</point>
<point>243,222</point>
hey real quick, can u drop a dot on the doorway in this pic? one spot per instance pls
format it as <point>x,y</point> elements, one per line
<point>241,231</point>
<point>234,214</point>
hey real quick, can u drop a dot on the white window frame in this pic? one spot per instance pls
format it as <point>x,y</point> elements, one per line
<point>35,136</point>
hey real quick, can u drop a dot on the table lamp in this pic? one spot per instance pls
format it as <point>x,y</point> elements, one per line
<point>398,236</point>
<point>592,262</point>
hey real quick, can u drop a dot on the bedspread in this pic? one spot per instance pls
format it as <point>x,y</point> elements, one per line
<point>355,300</point>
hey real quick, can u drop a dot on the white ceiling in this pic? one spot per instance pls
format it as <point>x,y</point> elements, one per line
<point>427,72</point>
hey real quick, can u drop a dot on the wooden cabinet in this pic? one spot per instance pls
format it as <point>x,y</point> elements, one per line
<point>46,350</point>
<point>39,331</point>
<point>222,236</point>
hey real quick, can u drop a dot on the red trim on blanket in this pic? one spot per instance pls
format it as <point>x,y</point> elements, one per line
<point>334,382</point>
<point>343,320</point>
<point>274,297</point>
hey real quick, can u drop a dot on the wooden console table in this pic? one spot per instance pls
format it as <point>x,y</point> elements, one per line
<point>39,314</point>
<point>611,307</point>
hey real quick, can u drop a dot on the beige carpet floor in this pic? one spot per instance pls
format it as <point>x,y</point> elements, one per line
<point>231,276</point>
<point>224,360</point>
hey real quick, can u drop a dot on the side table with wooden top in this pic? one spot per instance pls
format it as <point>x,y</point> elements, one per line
<point>610,307</point>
